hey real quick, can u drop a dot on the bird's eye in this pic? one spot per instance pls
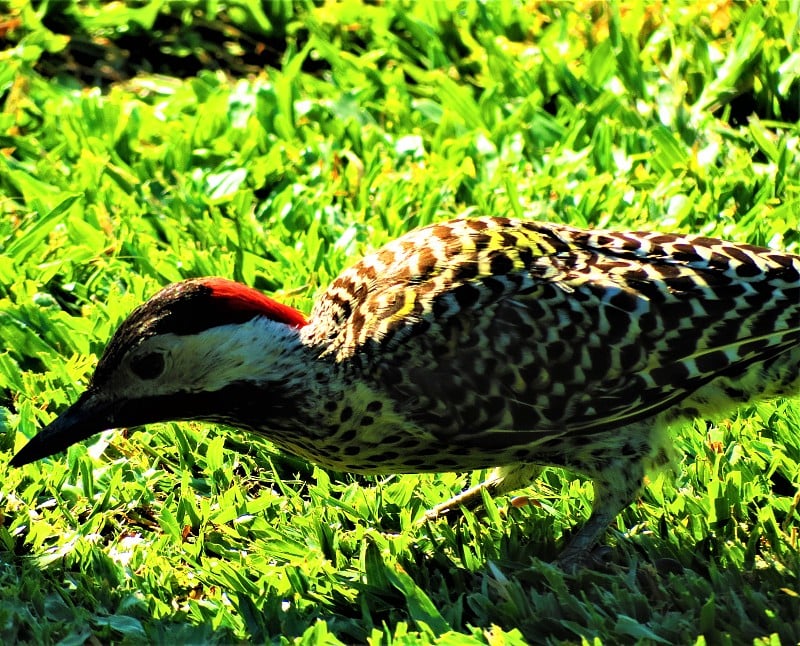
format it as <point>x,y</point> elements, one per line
<point>148,366</point>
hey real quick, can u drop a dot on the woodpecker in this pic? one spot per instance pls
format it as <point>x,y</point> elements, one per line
<point>469,344</point>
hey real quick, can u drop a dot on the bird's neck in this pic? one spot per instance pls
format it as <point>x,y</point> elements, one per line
<point>264,376</point>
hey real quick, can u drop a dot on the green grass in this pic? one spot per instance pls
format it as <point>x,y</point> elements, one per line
<point>313,135</point>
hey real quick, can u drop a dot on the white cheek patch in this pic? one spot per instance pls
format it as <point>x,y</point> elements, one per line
<point>258,350</point>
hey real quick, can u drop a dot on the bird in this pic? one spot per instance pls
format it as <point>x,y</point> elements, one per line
<point>475,343</point>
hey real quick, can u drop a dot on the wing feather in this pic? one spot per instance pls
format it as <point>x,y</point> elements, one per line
<point>479,325</point>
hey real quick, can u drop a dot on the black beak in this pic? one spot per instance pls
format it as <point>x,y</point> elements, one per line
<point>84,418</point>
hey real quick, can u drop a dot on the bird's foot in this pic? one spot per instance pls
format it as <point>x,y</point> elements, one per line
<point>468,499</point>
<point>574,560</point>
<point>501,481</point>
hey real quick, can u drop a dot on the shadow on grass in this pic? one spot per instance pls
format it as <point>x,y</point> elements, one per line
<point>652,590</point>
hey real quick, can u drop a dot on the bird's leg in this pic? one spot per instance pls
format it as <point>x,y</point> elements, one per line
<point>501,481</point>
<point>614,489</point>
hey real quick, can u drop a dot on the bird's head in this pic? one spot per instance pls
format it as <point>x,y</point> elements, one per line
<point>187,353</point>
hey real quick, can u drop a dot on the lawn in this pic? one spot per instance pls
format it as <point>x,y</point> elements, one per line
<point>275,145</point>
